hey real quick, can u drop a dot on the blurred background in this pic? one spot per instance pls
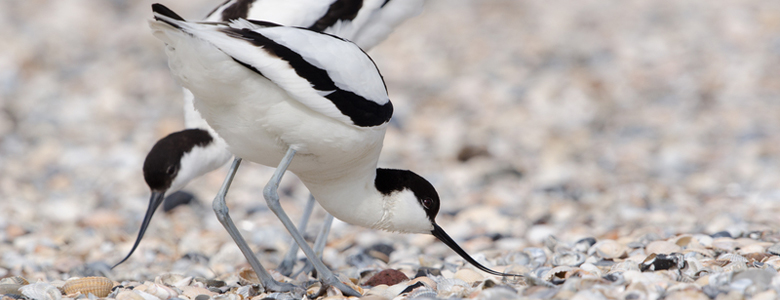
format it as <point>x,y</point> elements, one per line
<point>608,119</point>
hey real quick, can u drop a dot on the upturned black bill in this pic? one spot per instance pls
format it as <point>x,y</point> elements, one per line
<point>444,237</point>
<point>154,203</point>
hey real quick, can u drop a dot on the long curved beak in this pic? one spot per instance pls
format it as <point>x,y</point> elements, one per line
<point>154,202</point>
<point>446,239</point>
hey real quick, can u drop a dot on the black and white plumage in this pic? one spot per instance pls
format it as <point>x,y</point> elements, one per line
<point>307,102</point>
<point>180,157</point>
<point>364,22</point>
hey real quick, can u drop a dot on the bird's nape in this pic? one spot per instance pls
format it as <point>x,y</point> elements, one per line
<point>154,202</point>
<point>439,233</point>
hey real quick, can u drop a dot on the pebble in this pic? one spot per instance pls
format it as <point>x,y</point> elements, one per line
<point>387,277</point>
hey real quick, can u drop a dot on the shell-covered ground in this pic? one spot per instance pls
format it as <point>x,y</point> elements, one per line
<point>605,149</point>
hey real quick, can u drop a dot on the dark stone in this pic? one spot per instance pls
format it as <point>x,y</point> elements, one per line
<point>388,277</point>
<point>721,234</point>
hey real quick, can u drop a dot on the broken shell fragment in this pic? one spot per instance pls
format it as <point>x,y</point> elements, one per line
<point>568,258</point>
<point>41,291</point>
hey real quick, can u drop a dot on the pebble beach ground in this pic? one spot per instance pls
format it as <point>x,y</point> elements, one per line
<point>606,149</point>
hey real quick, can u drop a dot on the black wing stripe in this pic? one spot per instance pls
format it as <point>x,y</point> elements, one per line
<point>164,11</point>
<point>363,112</point>
<point>237,10</point>
<point>339,10</point>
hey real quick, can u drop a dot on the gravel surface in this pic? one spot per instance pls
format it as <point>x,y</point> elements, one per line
<point>607,149</point>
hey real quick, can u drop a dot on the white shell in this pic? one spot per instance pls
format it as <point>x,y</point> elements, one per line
<point>608,249</point>
<point>662,247</point>
<point>158,290</point>
<point>41,291</point>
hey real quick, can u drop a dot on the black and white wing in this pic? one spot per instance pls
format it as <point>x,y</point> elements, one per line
<point>367,23</point>
<point>328,74</point>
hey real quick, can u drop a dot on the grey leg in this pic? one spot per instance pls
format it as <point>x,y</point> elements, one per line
<point>286,267</point>
<point>221,209</point>
<point>319,243</point>
<point>272,197</point>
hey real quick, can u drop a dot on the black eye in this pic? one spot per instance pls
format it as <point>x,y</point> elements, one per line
<point>171,170</point>
<point>427,202</point>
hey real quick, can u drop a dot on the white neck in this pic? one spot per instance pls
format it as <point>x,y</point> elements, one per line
<point>352,197</point>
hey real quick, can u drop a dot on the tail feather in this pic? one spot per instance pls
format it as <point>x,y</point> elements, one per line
<point>164,14</point>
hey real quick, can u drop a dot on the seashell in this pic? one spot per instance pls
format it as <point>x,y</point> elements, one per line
<point>592,269</point>
<point>662,247</point>
<point>98,286</point>
<point>469,275</point>
<point>703,240</point>
<point>687,294</point>
<point>248,276</point>
<point>735,267</point>
<point>568,258</point>
<point>451,287</point>
<point>724,243</point>
<point>425,280</point>
<point>173,279</point>
<point>540,272</point>
<point>193,291</point>
<point>226,297</point>
<point>584,244</point>
<point>699,250</point>
<point>423,293</point>
<point>557,274</point>
<point>10,289</point>
<point>14,280</point>
<point>753,248</point>
<point>278,296</point>
<point>683,240</point>
<point>774,249</point>
<point>41,291</point>
<point>158,290</point>
<point>553,244</point>
<point>379,290</point>
<point>731,257</point>
<point>129,295</point>
<point>692,266</point>
<point>608,249</point>
<point>517,258</point>
<point>537,255</point>
<point>624,266</point>
<point>247,291</point>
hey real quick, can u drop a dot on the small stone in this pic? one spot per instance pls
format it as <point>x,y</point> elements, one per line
<point>387,277</point>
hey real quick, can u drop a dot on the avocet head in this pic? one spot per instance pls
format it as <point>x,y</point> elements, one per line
<point>168,167</point>
<point>417,204</point>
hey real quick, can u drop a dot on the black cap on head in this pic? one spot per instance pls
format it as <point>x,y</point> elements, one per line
<point>388,181</point>
<point>161,167</point>
<point>164,160</point>
<point>391,180</point>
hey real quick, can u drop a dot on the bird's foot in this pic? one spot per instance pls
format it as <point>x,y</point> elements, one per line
<point>284,287</point>
<point>285,268</point>
<point>335,282</point>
